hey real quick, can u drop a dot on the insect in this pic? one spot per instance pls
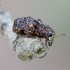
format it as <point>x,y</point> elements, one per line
<point>30,27</point>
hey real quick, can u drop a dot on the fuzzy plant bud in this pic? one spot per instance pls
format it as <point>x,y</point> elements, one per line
<point>26,48</point>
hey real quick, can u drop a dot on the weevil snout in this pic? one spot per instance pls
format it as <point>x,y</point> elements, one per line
<point>51,39</point>
<point>51,35</point>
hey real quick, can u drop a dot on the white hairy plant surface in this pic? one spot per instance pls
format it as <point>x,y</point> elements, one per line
<point>26,48</point>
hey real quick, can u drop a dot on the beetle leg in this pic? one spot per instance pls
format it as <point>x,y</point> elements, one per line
<point>16,38</point>
<point>40,39</point>
<point>46,44</point>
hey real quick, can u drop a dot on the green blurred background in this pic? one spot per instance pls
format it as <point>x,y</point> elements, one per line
<point>55,13</point>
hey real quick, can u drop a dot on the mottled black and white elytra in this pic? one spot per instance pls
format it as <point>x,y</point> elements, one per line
<point>30,27</point>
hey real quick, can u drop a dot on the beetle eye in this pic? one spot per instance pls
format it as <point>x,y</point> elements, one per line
<point>49,35</point>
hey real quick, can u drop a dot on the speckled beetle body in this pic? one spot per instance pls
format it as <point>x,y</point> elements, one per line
<point>30,27</point>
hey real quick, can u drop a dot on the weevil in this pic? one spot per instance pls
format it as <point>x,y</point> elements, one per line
<point>30,27</point>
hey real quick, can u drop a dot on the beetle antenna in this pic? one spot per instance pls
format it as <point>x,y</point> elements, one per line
<point>60,35</point>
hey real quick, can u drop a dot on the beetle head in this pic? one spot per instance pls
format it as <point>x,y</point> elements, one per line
<point>51,35</point>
